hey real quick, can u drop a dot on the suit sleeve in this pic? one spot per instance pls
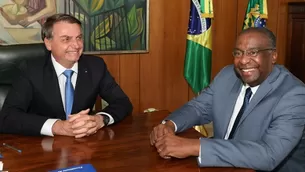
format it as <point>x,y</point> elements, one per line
<point>198,111</point>
<point>119,103</point>
<point>278,141</point>
<point>14,118</point>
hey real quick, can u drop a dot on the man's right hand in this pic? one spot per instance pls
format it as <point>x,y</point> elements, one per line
<point>160,130</point>
<point>62,128</point>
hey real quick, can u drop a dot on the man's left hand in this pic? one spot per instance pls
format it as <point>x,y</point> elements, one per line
<point>84,124</point>
<point>171,145</point>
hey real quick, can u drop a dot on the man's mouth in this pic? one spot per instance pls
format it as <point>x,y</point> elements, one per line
<point>248,70</point>
<point>72,51</point>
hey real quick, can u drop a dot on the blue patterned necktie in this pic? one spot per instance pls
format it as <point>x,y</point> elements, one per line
<point>240,113</point>
<point>69,92</point>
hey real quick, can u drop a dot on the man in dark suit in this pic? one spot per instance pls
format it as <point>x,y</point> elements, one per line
<point>55,94</point>
<point>258,110</point>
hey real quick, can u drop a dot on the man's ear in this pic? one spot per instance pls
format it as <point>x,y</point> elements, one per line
<point>47,43</point>
<point>274,57</point>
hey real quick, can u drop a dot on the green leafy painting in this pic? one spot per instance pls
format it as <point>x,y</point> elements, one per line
<point>112,25</point>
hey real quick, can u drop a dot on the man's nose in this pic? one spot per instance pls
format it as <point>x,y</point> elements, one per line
<point>244,58</point>
<point>76,43</point>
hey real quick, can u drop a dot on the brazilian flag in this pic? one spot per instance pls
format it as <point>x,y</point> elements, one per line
<point>198,58</point>
<point>197,65</point>
<point>256,14</point>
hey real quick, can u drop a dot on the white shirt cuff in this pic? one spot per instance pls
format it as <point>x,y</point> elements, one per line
<point>111,120</point>
<point>199,157</point>
<point>164,121</point>
<point>46,129</point>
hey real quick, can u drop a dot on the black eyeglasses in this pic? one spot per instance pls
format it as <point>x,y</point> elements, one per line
<point>250,53</point>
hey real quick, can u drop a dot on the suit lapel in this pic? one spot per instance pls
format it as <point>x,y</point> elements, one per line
<point>262,92</point>
<point>83,86</point>
<point>233,94</point>
<point>51,89</point>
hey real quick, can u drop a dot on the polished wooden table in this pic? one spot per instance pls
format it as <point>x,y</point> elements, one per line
<point>121,147</point>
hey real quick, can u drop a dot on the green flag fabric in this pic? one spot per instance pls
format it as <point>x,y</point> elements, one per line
<point>197,66</point>
<point>256,14</point>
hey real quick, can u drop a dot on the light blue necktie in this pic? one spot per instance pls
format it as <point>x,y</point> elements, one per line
<point>69,92</point>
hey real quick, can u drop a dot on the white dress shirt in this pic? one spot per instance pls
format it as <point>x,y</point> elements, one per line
<point>238,105</point>
<point>59,69</point>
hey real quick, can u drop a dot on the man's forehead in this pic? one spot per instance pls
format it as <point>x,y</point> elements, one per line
<point>253,38</point>
<point>253,34</point>
<point>62,29</point>
<point>60,34</point>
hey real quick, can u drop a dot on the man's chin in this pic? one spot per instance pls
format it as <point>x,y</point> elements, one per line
<point>250,81</point>
<point>73,58</point>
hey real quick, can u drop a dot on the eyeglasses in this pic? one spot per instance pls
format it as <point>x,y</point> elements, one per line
<point>249,53</point>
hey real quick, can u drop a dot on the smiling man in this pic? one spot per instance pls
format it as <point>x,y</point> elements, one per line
<point>258,110</point>
<point>54,95</point>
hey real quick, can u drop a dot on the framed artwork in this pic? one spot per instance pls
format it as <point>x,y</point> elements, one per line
<point>109,26</point>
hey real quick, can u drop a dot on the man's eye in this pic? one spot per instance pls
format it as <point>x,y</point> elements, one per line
<point>237,53</point>
<point>252,53</point>
<point>66,39</point>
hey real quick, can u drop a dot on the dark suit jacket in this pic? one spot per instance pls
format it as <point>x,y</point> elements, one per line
<point>35,95</point>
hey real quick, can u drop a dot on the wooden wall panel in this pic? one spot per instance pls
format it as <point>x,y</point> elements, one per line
<point>152,88</point>
<point>130,78</point>
<point>272,24</point>
<point>281,35</point>
<point>224,33</point>
<point>241,11</point>
<point>282,27</point>
<point>175,30</point>
<point>113,65</point>
<point>273,6</point>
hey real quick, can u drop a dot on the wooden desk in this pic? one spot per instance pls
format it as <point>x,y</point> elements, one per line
<point>122,147</point>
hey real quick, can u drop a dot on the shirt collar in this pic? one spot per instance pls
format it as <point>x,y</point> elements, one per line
<point>59,69</point>
<point>253,89</point>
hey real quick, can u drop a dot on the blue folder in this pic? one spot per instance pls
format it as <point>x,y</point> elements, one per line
<point>77,168</point>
